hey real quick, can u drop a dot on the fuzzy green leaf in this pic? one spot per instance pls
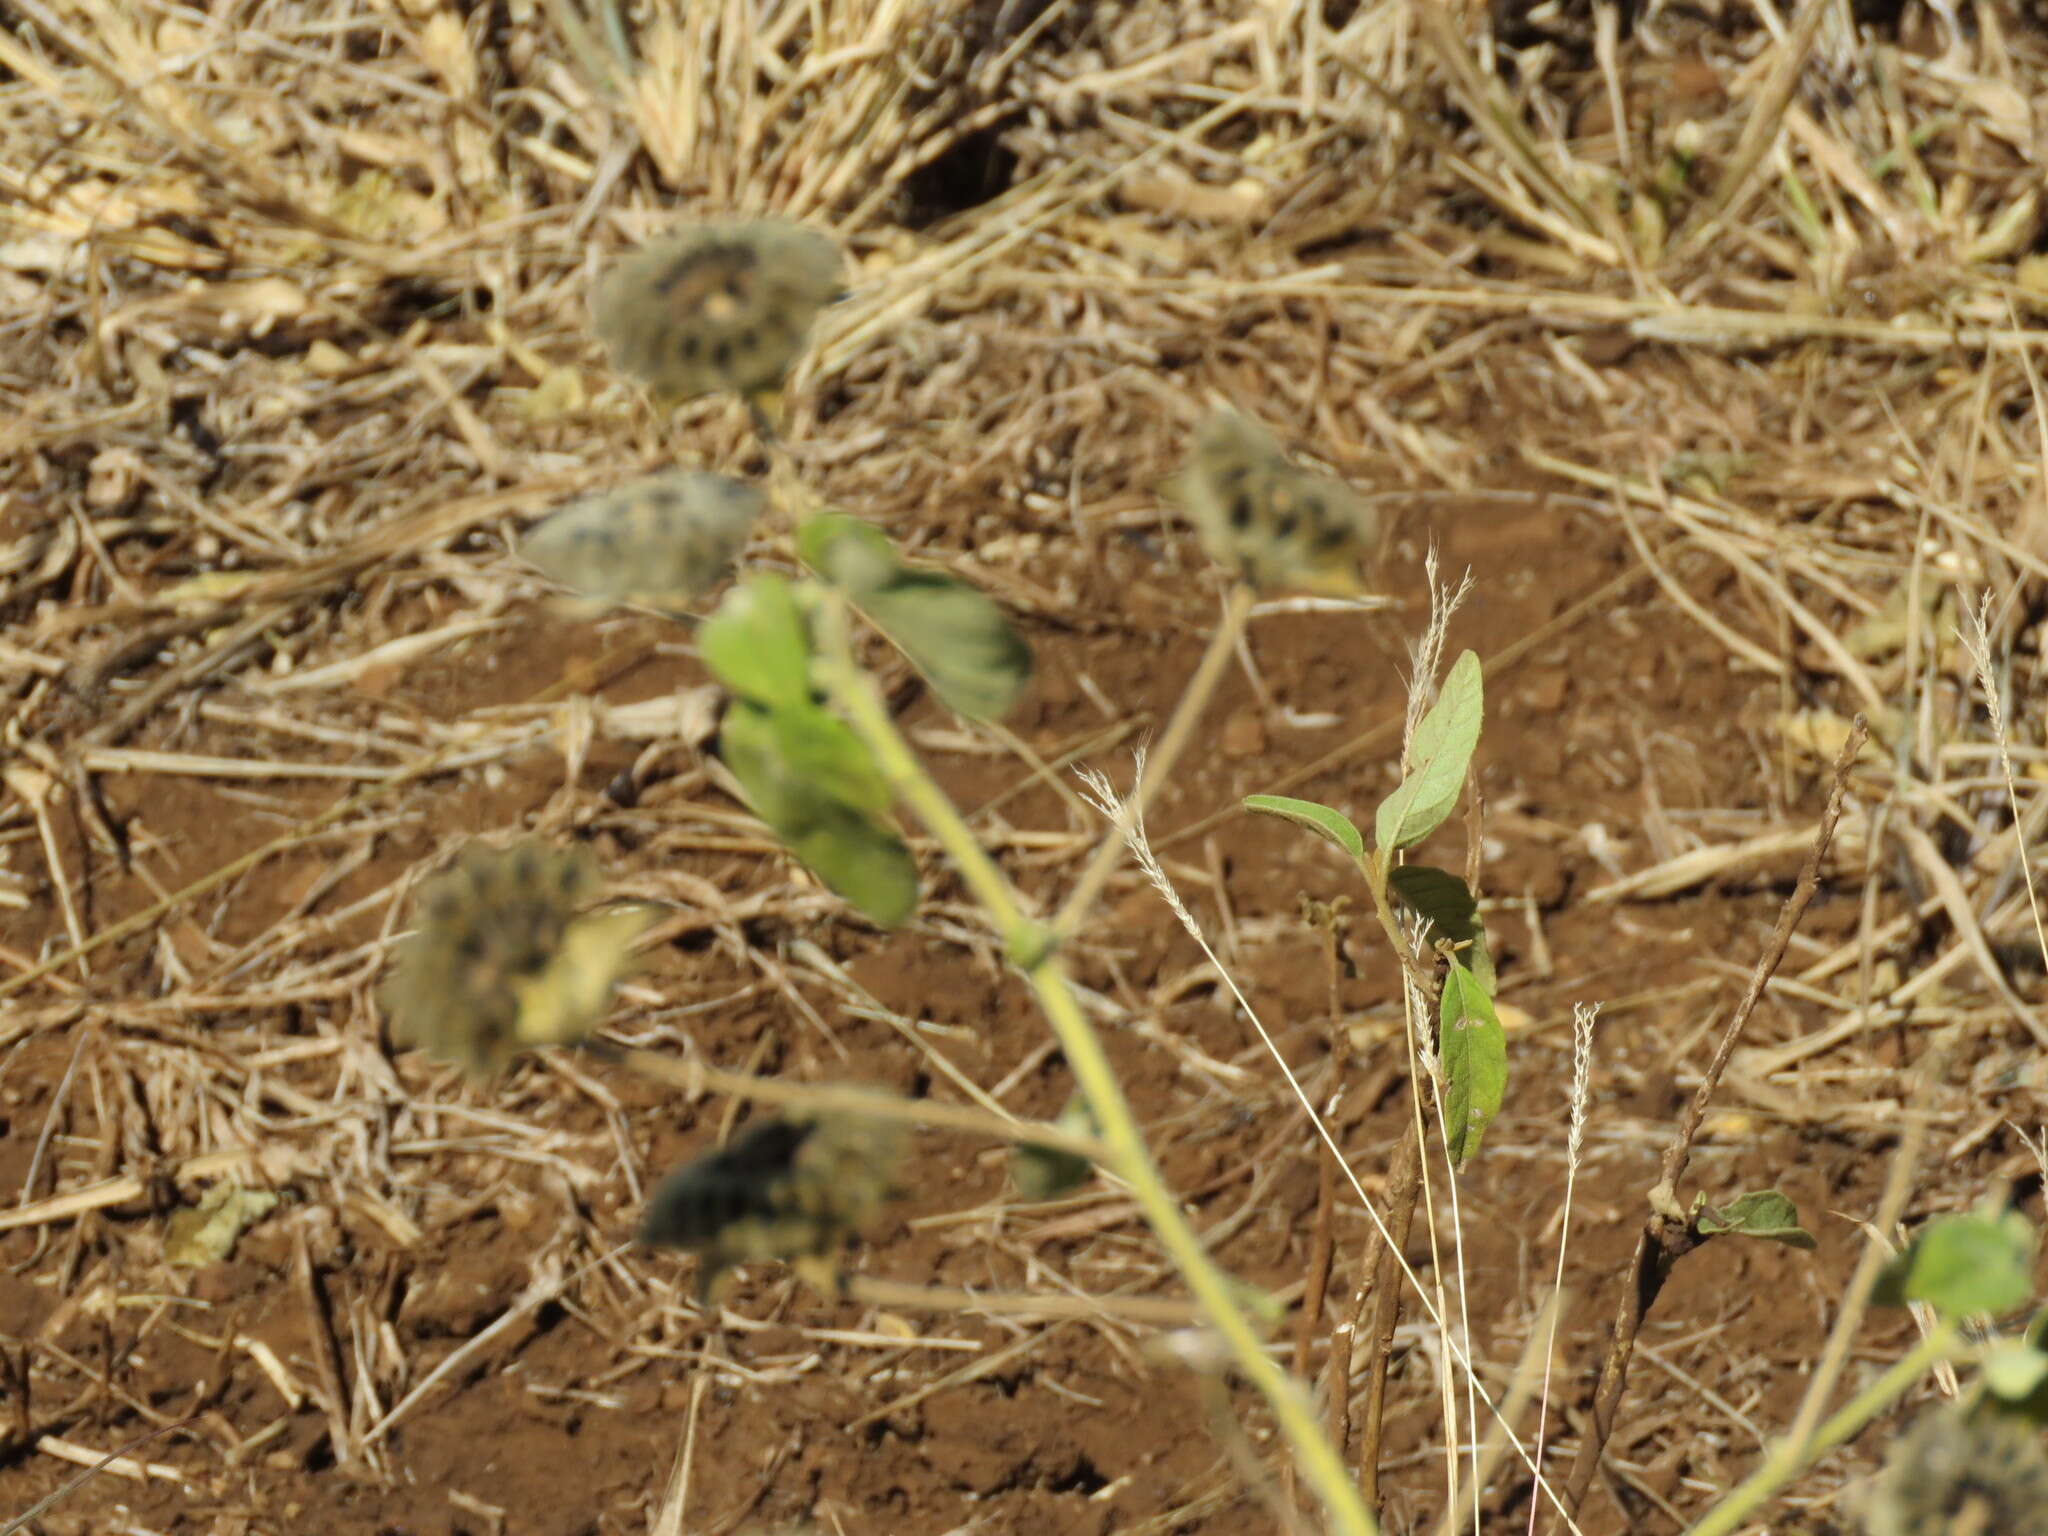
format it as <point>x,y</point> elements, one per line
<point>1046,1173</point>
<point>758,645</point>
<point>954,635</point>
<point>1763,1213</point>
<point>1964,1266</point>
<point>1474,1049</point>
<point>809,778</point>
<point>959,639</point>
<point>1334,825</point>
<point>1440,752</point>
<point>2014,1371</point>
<point>1442,900</point>
<point>853,555</point>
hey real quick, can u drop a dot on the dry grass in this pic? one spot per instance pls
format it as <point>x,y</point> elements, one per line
<point>293,340</point>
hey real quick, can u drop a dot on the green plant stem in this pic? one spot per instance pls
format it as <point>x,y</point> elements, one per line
<point>694,1078</point>
<point>1374,869</point>
<point>1159,762</point>
<point>1129,1159</point>
<point>1786,1457</point>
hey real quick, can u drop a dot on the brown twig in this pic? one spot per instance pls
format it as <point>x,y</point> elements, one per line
<point>1668,1233</point>
<point>333,1392</point>
<point>1404,1186</point>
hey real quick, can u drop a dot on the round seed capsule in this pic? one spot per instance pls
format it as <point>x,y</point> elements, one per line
<point>500,961</point>
<point>1272,522</point>
<point>715,307</point>
<point>664,541</point>
<point>1957,1469</point>
<point>792,1188</point>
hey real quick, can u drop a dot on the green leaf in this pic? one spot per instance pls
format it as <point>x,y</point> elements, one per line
<point>951,633</point>
<point>2032,1404</point>
<point>1334,825</point>
<point>1764,1213</point>
<point>1442,900</point>
<point>757,643</point>
<point>853,555</point>
<point>2014,1371</point>
<point>809,778</point>
<point>1438,756</point>
<point>1475,1057</point>
<point>957,638</point>
<point>823,751</point>
<point>1046,1173</point>
<point>1964,1266</point>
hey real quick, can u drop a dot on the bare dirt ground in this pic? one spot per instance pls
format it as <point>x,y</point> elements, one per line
<point>293,341</point>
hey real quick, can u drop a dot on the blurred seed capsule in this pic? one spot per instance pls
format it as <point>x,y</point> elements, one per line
<point>722,306</point>
<point>499,961</point>
<point>1277,525</point>
<point>663,541</point>
<point>792,1188</point>
<point>1962,1469</point>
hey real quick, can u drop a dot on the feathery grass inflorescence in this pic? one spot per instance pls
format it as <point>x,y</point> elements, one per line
<point>721,306</point>
<point>500,961</point>
<point>1264,517</point>
<point>663,542</point>
<point>1962,1471</point>
<point>793,1188</point>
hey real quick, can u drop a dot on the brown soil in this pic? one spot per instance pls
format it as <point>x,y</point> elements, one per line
<point>417,1211</point>
<point>572,1423</point>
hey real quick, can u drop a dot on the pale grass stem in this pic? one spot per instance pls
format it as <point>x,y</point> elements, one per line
<point>1531,1375</point>
<point>1583,1017</point>
<point>1975,633</point>
<point>1152,771</point>
<point>112,1458</point>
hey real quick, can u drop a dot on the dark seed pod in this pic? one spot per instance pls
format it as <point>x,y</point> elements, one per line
<point>499,962</point>
<point>664,541</point>
<point>791,1189</point>
<point>1275,524</point>
<point>716,306</point>
<point>1962,1469</point>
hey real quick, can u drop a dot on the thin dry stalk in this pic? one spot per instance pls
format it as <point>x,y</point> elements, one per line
<point>1667,1233</point>
<point>1583,1018</point>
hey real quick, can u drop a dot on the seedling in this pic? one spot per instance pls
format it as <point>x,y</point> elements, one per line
<point>823,763</point>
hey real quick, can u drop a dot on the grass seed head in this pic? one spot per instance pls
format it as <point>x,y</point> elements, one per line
<point>1962,1472</point>
<point>792,1188</point>
<point>1277,525</point>
<point>499,961</point>
<point>716,306</point>
<point>663,542</point>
